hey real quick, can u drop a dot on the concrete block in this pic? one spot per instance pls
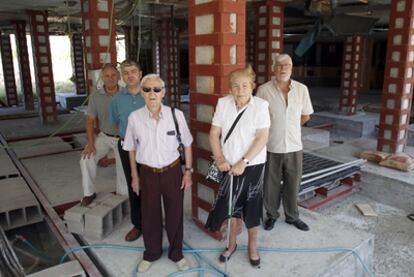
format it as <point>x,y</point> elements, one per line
<point>100,218</point>
<point>361,124</point>
<point>18,205</point>
<point>99,222</point>
<point>68,269</point>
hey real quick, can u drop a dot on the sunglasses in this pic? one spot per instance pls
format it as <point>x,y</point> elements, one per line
<point>154,89</point>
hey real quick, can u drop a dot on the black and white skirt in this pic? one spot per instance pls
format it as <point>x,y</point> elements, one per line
<point>247,199</point>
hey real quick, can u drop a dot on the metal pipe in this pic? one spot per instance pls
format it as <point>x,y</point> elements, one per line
<point>333,168</point>
<point>327,174</point>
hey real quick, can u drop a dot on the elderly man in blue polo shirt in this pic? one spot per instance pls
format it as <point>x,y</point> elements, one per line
<point>125,102</point>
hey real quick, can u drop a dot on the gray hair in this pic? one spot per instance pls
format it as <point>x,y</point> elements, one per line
<point>152,76</point>
<point>281,57</point>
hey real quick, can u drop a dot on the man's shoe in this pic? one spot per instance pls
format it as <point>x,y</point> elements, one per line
<point>269,224</point>
<point>133,234</point>
<point>144,266</point>
<point>86,200</point>
<point>298,224</point>
<point>182,265</point>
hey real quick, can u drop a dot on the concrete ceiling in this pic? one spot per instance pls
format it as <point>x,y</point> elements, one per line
<point>299,17</point>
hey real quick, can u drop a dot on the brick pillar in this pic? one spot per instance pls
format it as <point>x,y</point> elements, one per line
<point>170,61</point>
<point>131,42</point>
<point>398,79</point>
<point>78,64</point>
<point>351,67</point>
<point>269,37</point>
<point>216,47</point>
<point>39,28</point>
<point>250,44</point>
<point>8,70</point>
<point>23,56</point>
<point>99,39</point>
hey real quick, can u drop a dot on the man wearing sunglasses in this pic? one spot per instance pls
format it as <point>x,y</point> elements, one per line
<point>100,143</point>
<point>127,101</point>
<point>152,143</point>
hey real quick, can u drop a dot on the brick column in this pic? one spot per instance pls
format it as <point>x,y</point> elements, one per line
<point>351,67</point>
<point>131,42</point>
<point>78,64</point>
<point>39,28</point>
<point>398,80</point>
<point>96,17</point>
<point>216,47</point>
<point>8,70</point>
<point>269,37</point>
<point>23,56</point>
<point>170,61</point>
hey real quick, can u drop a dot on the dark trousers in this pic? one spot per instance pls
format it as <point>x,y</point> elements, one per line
<point>154,186</point>
<point>134,199</point>
<point>286,167</point>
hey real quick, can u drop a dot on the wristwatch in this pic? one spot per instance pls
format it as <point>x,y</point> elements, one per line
<point>189,169</point>
<point>246,161</point>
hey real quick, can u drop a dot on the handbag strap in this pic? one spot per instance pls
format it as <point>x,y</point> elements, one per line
<point>177,128</point>
<point>234,125</point>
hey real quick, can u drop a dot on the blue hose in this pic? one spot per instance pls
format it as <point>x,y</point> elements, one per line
<point>214,269</point>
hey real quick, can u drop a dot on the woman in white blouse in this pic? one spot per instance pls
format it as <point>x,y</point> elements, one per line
<point>242,156</point>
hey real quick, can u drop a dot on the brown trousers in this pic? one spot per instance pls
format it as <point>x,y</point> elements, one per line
<point>154,186</point>
<point>287,168</point>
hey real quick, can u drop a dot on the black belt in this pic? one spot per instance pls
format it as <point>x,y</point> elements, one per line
<point>112,136</point>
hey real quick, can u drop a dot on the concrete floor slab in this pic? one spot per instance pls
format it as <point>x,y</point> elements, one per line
<point>43,146</point>
<point>386,185</point>
<point>394,236</point>
<point>18,205</point>
<point>59,177</point>
<point>410,139</point>
<point>361,124</point>
<point>7,168</point>
<point>324,232</point>
<point>33,127</point>
<point>68,269</point>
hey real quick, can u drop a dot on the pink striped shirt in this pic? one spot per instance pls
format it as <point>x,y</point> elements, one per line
<point>155,142</point>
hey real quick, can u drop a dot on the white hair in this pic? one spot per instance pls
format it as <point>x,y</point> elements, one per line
<point>280,58</point>
<point>152,76</point>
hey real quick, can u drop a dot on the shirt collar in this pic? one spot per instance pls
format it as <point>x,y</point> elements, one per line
<point>291,85</point>
<point>250,103</point>
<point>149,114</point>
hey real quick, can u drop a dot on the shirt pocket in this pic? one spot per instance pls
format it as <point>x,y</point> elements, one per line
<point>169,141</point>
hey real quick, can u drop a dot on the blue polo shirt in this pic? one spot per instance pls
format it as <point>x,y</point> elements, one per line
<point>124,103</point>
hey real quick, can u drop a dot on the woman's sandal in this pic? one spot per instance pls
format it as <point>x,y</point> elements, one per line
<point>222,258</point>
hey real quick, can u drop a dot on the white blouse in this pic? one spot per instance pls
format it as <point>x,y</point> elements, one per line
<point>255,117</point>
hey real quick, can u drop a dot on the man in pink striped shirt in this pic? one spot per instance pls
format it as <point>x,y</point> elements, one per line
<point>152,143</point>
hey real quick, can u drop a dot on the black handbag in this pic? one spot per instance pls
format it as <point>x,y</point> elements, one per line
<point>213,173</point>
<point>178,136</point>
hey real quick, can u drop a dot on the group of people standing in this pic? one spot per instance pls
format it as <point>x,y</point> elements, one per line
<point>255,140</point>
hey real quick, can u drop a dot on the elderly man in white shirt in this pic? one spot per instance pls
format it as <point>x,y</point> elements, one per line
<point>152,143</point>
<point>290,107</point>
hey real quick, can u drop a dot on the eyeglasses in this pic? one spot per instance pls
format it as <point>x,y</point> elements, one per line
<point>288,65</point>
<point>154,89</point>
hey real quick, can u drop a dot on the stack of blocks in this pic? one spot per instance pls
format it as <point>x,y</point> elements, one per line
<point>100,218</point>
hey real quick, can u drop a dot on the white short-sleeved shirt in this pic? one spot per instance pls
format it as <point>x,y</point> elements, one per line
<point>155,142</point>
<point>285,133</point>
<point>255,117</point>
